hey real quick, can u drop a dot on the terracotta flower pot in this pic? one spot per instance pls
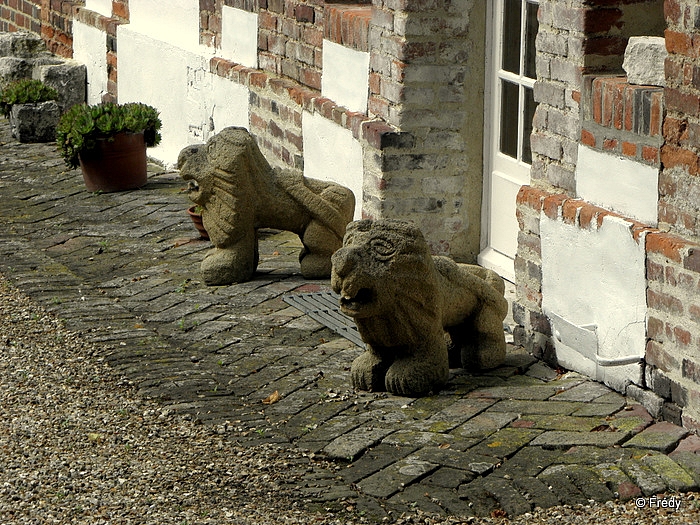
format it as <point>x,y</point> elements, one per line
<point>197,221</point>
<point>115,164</point>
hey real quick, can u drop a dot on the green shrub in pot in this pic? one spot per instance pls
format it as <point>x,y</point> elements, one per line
<point>82,126</point>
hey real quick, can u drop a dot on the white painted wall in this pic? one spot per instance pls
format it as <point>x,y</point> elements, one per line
<point>228,105</point>
<point>90,48</point>
<point>173,21</point>
<point>618,184</point>
<point>239,36</point>
<point>103,7</point>
<point>193,102</point>
<point>332,153</point>
<point>345,76</point>
<point>595,278</point>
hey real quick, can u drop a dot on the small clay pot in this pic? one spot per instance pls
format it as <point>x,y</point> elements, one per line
<point>197,221</point>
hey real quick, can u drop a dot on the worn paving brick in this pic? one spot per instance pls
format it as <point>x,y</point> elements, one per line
<point>556,478</point>
<point>536,492</point>
<point>505,442</point>
<point>564,439</point>
<point>395,477</point>
<point>449,478</point>
<point>509,498</point>
<point>643,476</point>
<point>589,483</point>
<point>352,444</point>
<point>536,407</point>
<point>617,481</point>
<point>674,476</point>
<point>584,392</point>
<point>663,436</point>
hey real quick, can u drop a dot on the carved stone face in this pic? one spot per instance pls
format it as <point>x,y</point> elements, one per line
<point>195,168</point>
<point>378,267</point>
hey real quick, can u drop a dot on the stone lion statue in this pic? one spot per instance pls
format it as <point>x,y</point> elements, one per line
<point>240,192</point>
<point>403,300</point>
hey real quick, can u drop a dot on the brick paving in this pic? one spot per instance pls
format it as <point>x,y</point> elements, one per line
<point>122,269</point>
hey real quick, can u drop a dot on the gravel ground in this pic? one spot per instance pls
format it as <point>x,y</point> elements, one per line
<point>78,445</point>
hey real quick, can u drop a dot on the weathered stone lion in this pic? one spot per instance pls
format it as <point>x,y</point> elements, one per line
<point>240,192</point>
<point>403,299</point>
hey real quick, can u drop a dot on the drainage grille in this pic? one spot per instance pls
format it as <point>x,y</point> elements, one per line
<point>324,307</point>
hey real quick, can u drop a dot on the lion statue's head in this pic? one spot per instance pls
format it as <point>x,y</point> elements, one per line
<point>385,276</point>
<point>218,172</point>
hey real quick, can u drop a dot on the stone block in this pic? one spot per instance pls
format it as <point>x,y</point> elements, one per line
<point>644,60</point>
<point>35,122</point>
<point>69,78</point>
<point>21,44</point>
<point>12,69</point>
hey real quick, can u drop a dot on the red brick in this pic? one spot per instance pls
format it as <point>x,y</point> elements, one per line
<point>629,108</point>
<point>672,11</point>
<point>571,209</point>
<point>587,138</point>
<point>694,311</point>
<point>618,102</point>
<point>675,130</point>
<point>672,156</point>
<point>608,102</point>
<point>664,302</point>
<point>304,13</point>
<point>682,336</point>
<point>655,328</point>
<point>678,43</point>
<point>686,103</point>
<point>650,154</point>
<point>531,197</point>
<point>668,245</point>
<point>551,205</point>
<point>656,117</point>
<point>610,144</point>
<point>629,149</point>
<point>598,100</point>
<point>656,355</point>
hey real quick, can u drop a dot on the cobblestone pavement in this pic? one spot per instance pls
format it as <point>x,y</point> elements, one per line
<point>122,269</point>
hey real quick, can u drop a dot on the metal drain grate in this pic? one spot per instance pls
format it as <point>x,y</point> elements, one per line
<point>324,308</point>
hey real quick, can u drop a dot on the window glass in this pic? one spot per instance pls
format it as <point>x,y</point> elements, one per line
<point>511,36</point>
<point>509,118</point>
<point>531,26</point>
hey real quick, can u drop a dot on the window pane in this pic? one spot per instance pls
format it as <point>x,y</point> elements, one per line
<point>531,26</point>
<point>528,115</point>
<point>509,119</point>
<point>511,36</point>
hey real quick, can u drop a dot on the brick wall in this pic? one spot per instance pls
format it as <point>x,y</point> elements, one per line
<point>673,325</point>
<point>290,39</point>
<point>426,80</point>
<point>51,19</point>
<point>679,206</point>
<point>623,118</point>
<point>18,15</point>
<point>576,38</point>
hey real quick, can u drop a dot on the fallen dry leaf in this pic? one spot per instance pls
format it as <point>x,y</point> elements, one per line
<point>272,398</point>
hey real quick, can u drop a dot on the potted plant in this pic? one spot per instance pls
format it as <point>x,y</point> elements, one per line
<point>32,108</point>
<point>108,141</point>
<point>195,213</point>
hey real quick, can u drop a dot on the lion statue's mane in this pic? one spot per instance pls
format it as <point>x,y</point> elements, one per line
<point>403,300</point>
<point>239,192</point>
